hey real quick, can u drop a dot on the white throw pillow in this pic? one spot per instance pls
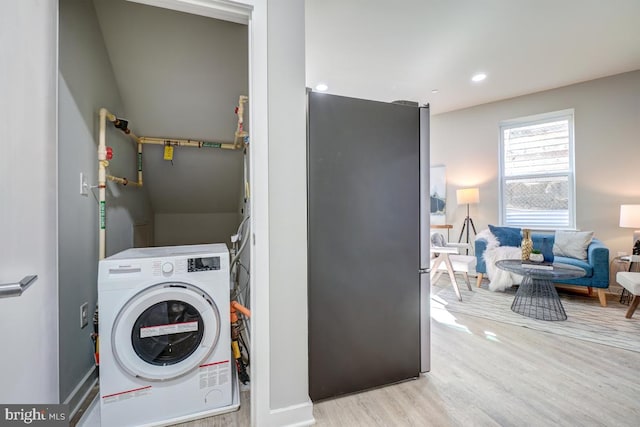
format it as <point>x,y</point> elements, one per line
<point>572,244</point>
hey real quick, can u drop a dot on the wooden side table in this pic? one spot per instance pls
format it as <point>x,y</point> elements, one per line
<point>448,227</point>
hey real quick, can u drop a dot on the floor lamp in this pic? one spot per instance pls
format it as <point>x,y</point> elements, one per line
<point>467,196</point>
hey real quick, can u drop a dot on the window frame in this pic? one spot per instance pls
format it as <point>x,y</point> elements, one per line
<point>567,114</point>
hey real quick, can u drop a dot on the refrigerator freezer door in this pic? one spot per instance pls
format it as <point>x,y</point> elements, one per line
<point>364,244</point>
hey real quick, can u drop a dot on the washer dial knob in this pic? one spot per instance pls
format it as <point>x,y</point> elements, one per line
<point>167,268</point>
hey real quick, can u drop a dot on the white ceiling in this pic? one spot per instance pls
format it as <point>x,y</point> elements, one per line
<point>403,49</point>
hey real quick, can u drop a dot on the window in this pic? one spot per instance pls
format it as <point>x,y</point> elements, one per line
<point>537,187</point>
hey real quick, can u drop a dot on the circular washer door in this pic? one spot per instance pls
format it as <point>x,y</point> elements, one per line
<point>165,331</point>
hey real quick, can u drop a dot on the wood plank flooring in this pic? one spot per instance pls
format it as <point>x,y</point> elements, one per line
<point>490,374</point>
<point>486,373</point>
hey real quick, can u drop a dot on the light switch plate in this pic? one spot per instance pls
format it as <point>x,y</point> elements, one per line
<point>84,315</point>
<point>84,187</point>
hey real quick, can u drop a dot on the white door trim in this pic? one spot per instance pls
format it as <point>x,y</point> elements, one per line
<point>219,9</point>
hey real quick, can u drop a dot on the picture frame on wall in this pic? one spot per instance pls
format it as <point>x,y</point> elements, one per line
<point>438,194</point>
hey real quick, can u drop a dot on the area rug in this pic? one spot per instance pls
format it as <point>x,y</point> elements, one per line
<point>586,321</point>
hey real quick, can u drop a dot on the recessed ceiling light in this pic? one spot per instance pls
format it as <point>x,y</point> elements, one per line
<point>435,91</point>
<point>479,77</point>
<point>322,87</point>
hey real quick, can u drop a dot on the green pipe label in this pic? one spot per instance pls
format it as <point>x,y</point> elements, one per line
<point>140,162</point>
<point>211,144</point>
<point>103,222</point>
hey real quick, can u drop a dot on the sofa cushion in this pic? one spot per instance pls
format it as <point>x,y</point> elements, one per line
<point>572,244</point>
<point>588,268</point>
<point>507,236</point>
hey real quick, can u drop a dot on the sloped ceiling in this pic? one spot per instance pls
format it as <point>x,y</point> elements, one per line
<point>180,76</point>
<point>391,50</point>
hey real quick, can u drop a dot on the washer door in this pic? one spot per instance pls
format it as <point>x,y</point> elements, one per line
<point>165,331</point>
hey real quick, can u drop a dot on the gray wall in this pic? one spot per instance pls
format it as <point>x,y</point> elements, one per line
<point>607,152</point>
<point>180,76</point>
<point>86,83</point>
<point>190,229</point>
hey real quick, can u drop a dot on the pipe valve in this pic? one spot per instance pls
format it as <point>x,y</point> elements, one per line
<point>122,124</point>
<point>109,153</point>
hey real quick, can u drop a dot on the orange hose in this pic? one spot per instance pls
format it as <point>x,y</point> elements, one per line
<point>236,306</point>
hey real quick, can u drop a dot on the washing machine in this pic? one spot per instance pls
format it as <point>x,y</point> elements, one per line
<point>165,352</point>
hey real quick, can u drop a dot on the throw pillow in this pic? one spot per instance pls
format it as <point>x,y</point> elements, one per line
<point>437,239</point>
<point>572,244</point>
<point>507,236</point>
<point>547,249</point>
<point>545,245</point>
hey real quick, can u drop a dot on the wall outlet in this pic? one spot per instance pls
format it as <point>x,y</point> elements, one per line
<point>84,315</point>
<point>84,187</point>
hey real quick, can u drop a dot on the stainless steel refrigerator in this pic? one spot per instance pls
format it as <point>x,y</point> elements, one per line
<point>368,255</point>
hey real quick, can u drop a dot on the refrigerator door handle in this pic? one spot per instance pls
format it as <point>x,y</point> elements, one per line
<point>425,243</point>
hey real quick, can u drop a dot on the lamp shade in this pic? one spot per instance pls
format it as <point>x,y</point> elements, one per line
<point>468,196</point>
<point>630,216</point>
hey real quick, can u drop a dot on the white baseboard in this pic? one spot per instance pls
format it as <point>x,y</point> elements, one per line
<point>81,391</point>
<point>292,416</point>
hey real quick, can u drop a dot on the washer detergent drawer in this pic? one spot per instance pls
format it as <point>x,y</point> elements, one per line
<point>165,331</point>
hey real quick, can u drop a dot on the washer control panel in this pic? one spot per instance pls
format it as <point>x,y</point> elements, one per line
<point>203,264</point>
<point>169,267</point>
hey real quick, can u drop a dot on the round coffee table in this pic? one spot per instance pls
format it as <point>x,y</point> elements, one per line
<point>537,296</point>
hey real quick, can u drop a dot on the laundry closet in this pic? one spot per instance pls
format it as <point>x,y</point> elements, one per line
<point>173,89</point>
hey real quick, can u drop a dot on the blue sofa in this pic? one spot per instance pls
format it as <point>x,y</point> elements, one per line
<point>596,266</point>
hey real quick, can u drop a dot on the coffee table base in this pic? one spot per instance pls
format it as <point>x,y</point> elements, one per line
<point>538,298</point>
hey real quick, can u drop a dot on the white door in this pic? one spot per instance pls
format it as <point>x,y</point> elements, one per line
<point>28,244</point>
<point>159,334</point>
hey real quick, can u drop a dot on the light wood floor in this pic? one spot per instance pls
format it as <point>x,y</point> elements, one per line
<point>491,374</point>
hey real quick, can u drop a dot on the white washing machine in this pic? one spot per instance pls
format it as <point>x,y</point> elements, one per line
<point>165,352</point>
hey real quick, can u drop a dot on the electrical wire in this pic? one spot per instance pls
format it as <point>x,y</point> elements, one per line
<point>241,294</point>
<point>239,291</point>
<point>244,238</point>
<point>247,360</point>
<point>94,187</point>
